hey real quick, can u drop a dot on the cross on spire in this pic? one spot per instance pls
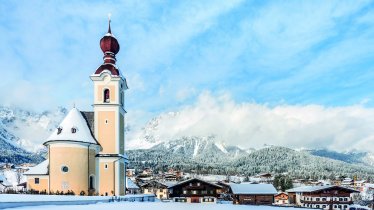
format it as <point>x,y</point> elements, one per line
<point>109,30</point>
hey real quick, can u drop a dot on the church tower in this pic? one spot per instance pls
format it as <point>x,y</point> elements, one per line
<point>109,121</point>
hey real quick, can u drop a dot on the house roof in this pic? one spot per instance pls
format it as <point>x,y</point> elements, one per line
<point>130,184</point>
<point>4,181</point>
<point>195,179</point>
<point>40,169</point>
<point>317,188</point>
<point>74,119</point>
<point>249,189</point>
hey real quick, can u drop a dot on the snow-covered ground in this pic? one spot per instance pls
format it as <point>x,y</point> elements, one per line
<point>152,206</point>
<point>50,198</point>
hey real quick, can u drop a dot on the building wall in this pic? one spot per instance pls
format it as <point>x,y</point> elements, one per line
<point>107,131</point>
<point>43,183</point>
<point>106,177</point>
<point>81,164</point>
<point>254,199</point>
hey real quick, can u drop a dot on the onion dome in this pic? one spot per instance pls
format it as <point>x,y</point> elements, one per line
<point>109,43</point>
<point>110,47</point>
<point>73,128</point>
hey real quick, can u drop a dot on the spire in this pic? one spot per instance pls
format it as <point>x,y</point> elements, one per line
<point>109,30</point>
<point>110,47</point>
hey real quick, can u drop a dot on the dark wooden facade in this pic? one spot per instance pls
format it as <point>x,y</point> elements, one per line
<point>253,199</point>
<point>195,189</point>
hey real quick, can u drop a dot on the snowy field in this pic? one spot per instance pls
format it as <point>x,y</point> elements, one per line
<point>151,206</point>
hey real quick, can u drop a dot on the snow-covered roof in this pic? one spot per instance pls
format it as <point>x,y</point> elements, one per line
<point>248,189</point>
<point>4,181</point>
<point>316,188</point>
<point>40,169</point>
<point>73,120</point>
<point>130,184</point>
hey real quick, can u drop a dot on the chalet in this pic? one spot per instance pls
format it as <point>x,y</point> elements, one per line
<point>130,172</point>
<point>359,184</point>
<point>157,188</point>
<point>195,191</point>
<point>321,197</point>
<point>281,198</point>
<point>253,194</point>
<point>131,187</point>
<point>347,182</point>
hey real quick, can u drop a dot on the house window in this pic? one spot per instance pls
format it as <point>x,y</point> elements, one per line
<point>184,191</point>
<point>106,121</point>
<point>194,192</point>
<point>345,199</point>
<point>36,180</point>
<point>317,199</point>
<point>59,130</point>
<point>198,184</point>
<point>106,96</point>
<point>106,166</point>
<point>73,130</point>
<point>190,184</point>
<point>64,169</point>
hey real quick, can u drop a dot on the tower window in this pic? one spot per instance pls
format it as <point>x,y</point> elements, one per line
<point>73,130</point>
<point>59,130</point>
<point>106,96</point>
<point>92,186</point>
<point>36,180</point>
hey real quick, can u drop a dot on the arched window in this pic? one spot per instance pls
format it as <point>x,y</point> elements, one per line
<point>92,182</point>
<point>73,130</point>
<point>106,96</point>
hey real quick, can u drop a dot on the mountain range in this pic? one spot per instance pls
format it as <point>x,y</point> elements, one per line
<point>22,134</point>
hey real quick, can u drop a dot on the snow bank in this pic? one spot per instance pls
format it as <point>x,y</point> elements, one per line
<point>50,198</point>
<point>154,206</point>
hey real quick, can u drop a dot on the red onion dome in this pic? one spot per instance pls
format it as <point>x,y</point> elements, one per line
<point>109,43</point>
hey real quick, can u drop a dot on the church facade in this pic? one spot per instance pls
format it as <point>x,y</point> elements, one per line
<point>86,152</point>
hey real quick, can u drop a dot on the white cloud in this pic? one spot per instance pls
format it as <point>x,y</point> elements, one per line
<point>253,125</point>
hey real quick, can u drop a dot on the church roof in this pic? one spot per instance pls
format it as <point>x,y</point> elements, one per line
<point>40,169</point>
<point>75,127</point>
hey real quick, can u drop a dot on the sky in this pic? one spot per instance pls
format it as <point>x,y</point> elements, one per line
<point>309,59</point>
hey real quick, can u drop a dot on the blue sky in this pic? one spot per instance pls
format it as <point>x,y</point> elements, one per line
<point>290,73</point>
<point>265,52</point>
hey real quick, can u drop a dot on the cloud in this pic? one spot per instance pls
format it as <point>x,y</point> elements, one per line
<point>253,124</point>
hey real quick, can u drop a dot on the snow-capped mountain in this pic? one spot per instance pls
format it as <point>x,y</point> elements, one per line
<point>355,157</point>
<point>199,147</point>
<point>203,156</point>
<point>23,132</point>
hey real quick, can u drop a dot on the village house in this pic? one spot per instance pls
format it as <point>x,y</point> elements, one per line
<point>321,197</point>
<point>131,187</point>
<point>155,187</point>
<point>86,152</point>
<point>195,191</point>
<point>281,198</point>
<point>253,194</point>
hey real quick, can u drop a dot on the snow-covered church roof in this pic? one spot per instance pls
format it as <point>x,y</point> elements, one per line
<point>40,169</point>
<point>73,128</point>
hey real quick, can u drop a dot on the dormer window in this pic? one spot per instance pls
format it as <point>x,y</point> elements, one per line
<point>73,130</point>
<point>106,96</point>
<point>59,130</point>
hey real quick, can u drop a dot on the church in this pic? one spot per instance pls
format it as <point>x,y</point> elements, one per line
<point>86,152</point>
